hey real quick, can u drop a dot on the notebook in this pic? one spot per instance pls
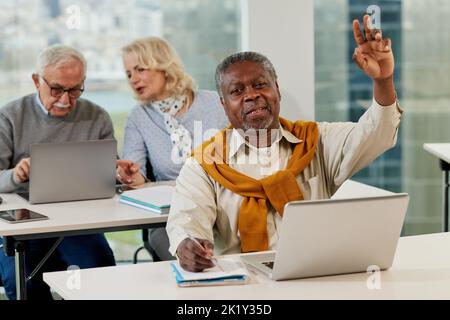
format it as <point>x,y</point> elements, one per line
<point>328,237</point>
<point>227,272</point>
<point>156,199</point>
<point>72,171</point>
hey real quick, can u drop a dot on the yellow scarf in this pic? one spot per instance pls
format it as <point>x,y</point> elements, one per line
<point>279,188</point>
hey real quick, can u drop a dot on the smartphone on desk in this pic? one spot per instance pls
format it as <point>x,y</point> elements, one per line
<point>21,215</point>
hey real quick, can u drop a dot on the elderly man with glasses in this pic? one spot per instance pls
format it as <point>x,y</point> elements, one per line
<point>56,113</point>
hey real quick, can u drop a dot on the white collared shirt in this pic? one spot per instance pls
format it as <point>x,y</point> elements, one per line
<point>260,162</point>
<point>40,104</point>
<point>204,209</point>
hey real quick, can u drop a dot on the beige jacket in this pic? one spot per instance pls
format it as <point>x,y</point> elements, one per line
<point>201,207</point>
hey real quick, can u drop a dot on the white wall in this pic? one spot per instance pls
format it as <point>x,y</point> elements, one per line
<point>283,30</point>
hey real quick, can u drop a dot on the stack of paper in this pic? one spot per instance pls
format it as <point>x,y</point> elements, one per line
<point>156,199</point>
<point>227,272</point>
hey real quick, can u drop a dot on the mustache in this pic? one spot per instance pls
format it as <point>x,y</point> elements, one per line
<point>250,108</point>
<point>61,105</point>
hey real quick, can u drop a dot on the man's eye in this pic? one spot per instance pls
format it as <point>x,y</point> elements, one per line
<point>236,91</point>
<point>261,84</point>
<point>57,91</point>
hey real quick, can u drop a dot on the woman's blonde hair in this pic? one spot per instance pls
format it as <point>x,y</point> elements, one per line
<point>157,54</point>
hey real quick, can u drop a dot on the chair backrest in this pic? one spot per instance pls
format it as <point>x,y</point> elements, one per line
<point>149,169</point>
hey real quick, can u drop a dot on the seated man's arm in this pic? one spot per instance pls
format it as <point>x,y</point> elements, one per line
<point>107,131</point>
<point>192,214</point>
<point>348,147</point>
<point>9,180</point>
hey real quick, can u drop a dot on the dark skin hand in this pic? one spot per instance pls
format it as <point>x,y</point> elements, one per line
<point>193,257</point>
<point>374,56</point>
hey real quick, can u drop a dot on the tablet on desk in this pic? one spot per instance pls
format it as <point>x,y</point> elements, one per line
<point>21,215</point>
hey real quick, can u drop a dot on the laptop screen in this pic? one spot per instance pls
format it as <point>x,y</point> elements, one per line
<point>328,237</point>
<point>72,171</point>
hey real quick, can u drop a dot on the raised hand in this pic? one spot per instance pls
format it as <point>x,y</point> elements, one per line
<point>373,54</point>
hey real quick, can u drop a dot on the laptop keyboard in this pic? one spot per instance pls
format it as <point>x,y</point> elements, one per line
<point>268,264</point>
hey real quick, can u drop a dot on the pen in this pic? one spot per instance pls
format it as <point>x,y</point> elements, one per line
<point>213,259</point>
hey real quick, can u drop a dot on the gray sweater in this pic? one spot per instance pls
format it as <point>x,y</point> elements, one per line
<point>146,135</point>
<point>23,122</point>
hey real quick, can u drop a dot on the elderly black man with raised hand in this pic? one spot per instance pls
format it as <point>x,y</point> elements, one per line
<point>231,194</point>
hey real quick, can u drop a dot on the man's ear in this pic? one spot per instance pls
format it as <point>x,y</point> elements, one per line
<point>222,102</point>
<point>278,89</point>
<point>35,78</point>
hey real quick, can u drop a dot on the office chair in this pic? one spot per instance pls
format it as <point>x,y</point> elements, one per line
<point>145,232</point>
<point>146,245</point>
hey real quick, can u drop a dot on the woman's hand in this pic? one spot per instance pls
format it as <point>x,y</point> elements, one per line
<point>128,173</point>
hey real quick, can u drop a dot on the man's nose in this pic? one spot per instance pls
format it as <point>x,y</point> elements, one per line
<point>251,94</point>
<point>65,99</point>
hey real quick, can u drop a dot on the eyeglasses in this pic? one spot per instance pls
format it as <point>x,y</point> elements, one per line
<point>58,92</point>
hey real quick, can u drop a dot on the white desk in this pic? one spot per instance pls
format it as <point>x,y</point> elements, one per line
<point>353,189</point>
<point>442,151</point>
<point>421,270</point>
<point>70,218</point>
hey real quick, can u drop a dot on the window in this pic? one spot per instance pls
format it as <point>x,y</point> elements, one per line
<point>419,33</point>
<point>202,31</point>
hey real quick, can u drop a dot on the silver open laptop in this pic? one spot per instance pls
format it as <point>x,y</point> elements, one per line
<point>328,237</point>
<point>72,171</point>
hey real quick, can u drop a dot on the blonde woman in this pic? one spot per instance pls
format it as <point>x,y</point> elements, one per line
<point>160,129</point>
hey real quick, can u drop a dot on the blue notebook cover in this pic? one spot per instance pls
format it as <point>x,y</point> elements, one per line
<point>156,198</point>
<point>233,274</point>
<point>145,206</point>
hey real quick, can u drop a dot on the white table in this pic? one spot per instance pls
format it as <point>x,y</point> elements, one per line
<point>442,151</point>
<point>67,219</point>
<point>421,270</point>
<point>353,189</point>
